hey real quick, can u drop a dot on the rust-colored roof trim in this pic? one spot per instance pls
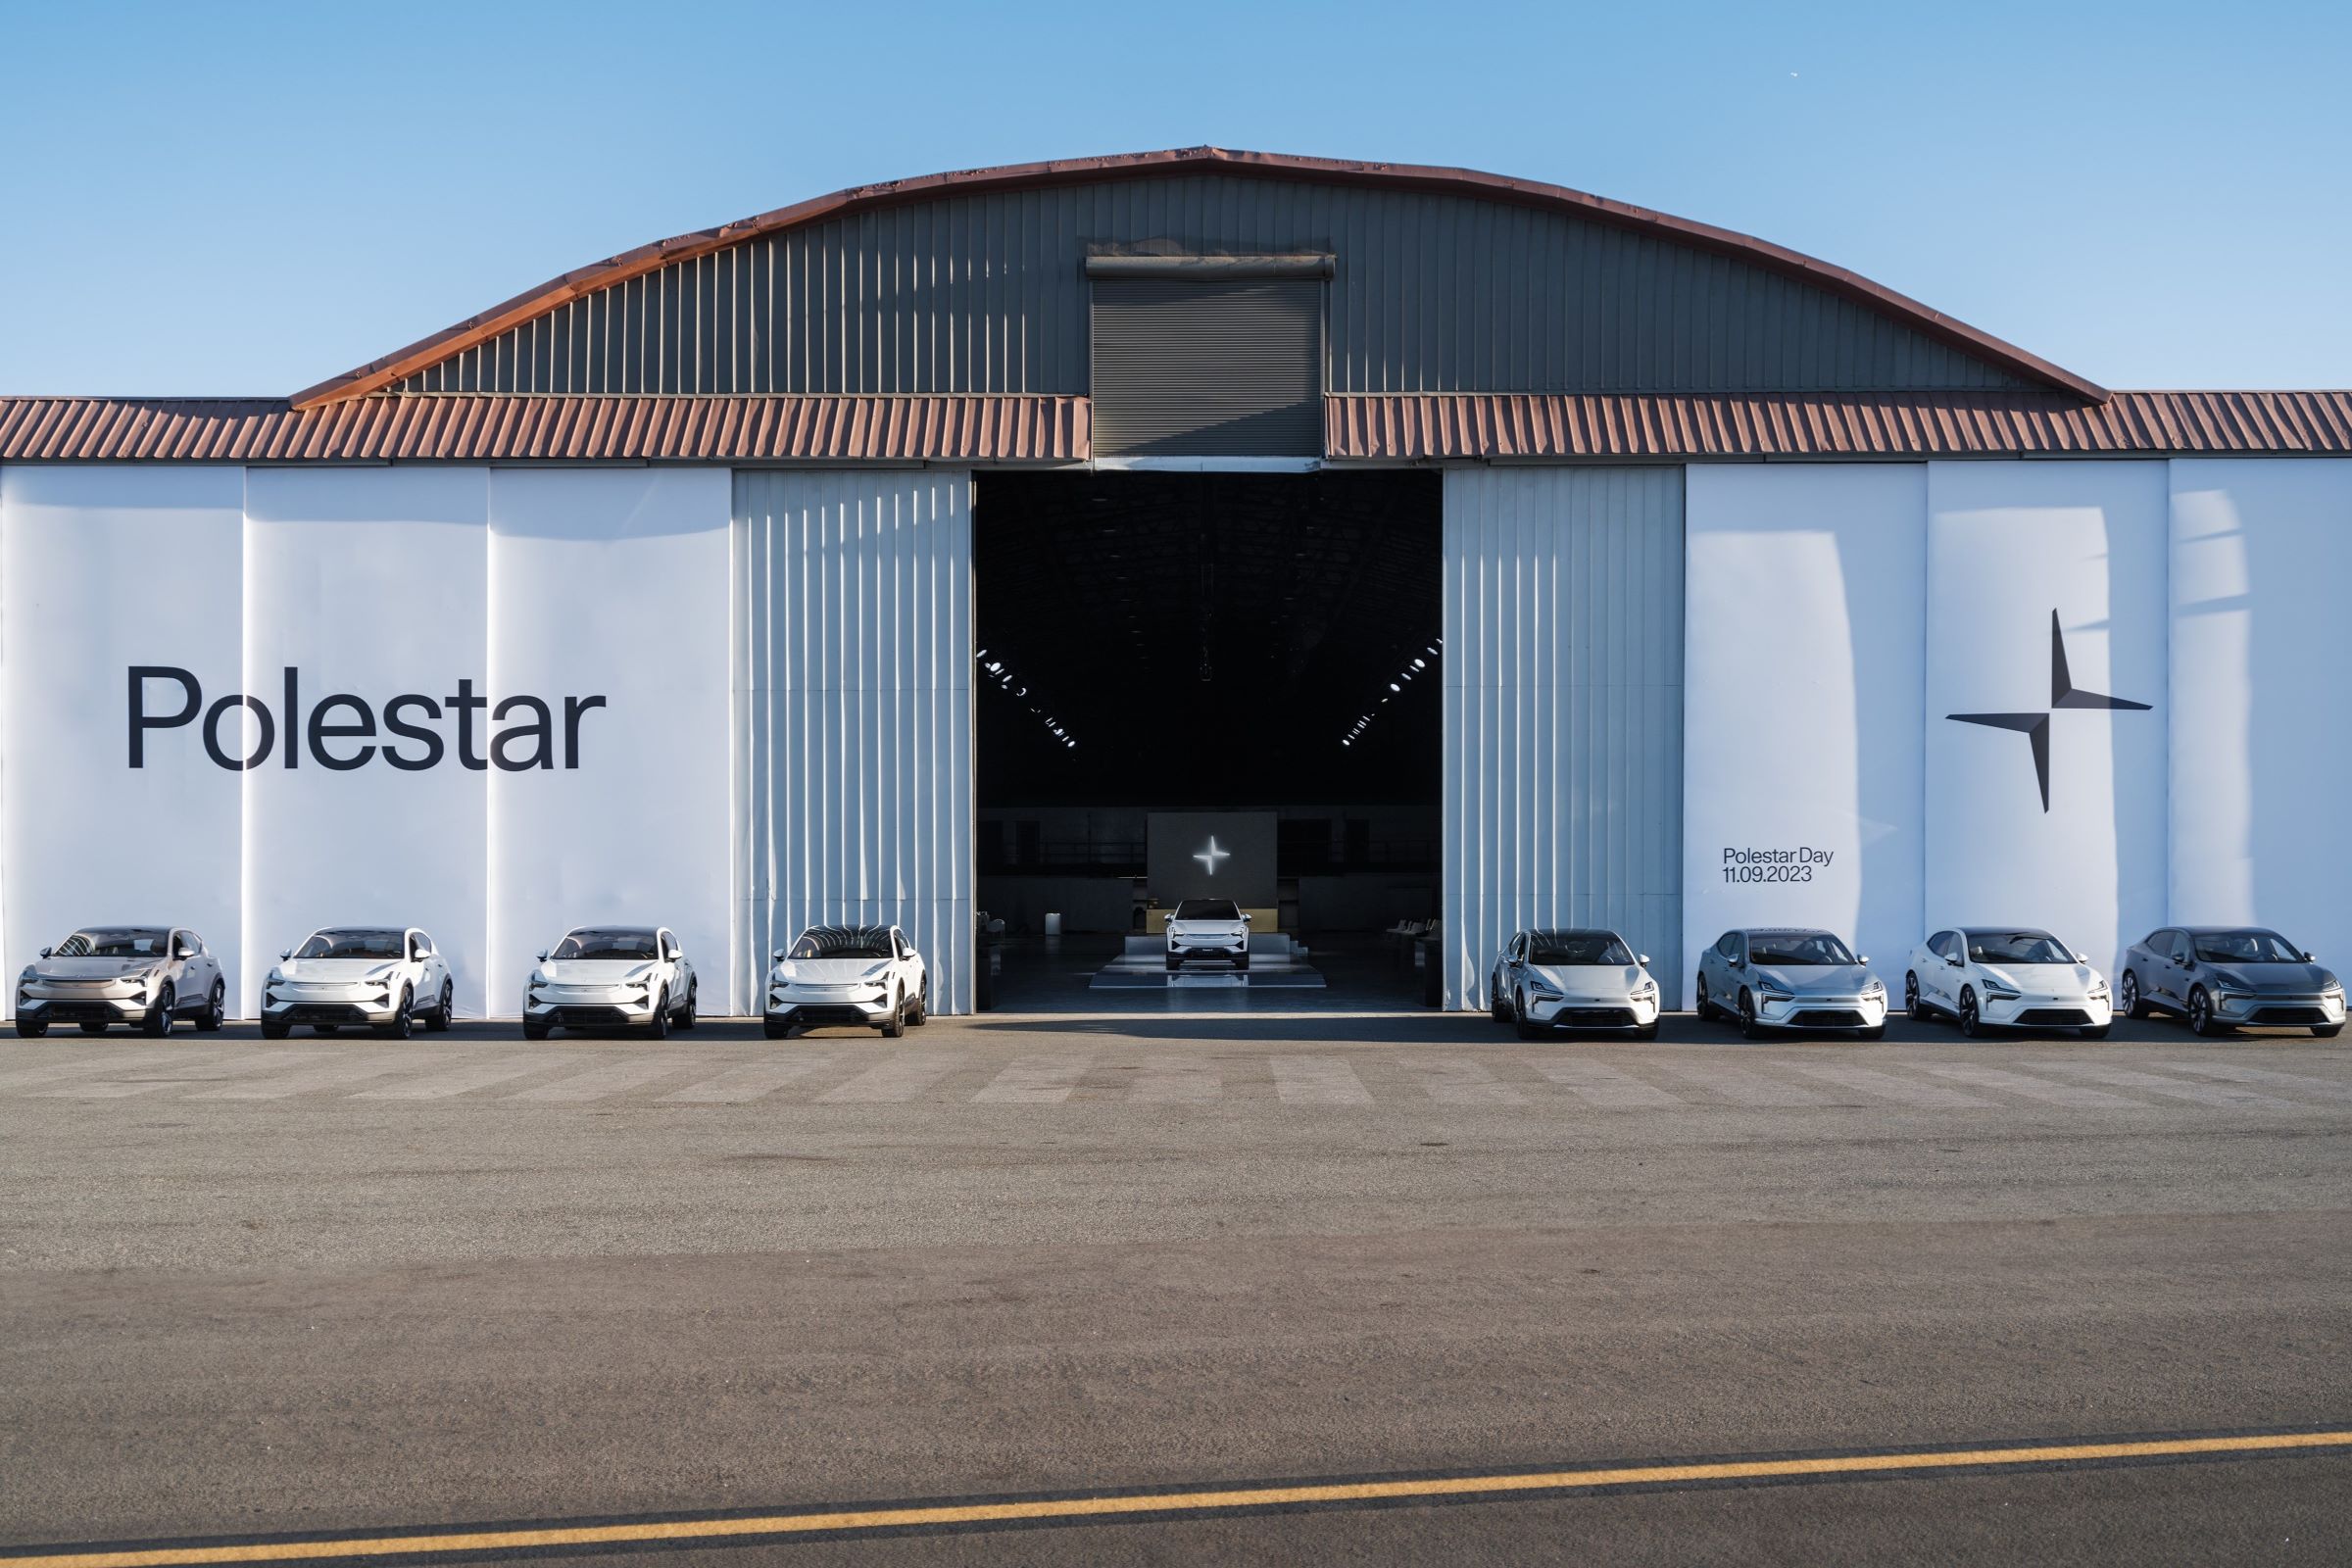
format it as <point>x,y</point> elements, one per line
<point>578,429</point>
<point>377,375</point>
<point>1887,426</point>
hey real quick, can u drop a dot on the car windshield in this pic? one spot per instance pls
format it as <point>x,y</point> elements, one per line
<point>2246,947</point>
<point>608,942</point>
<point>1797,947</point>
<point>2017,946</point>
<point>842,942</point>
<point>1207,909</point>
<point>351,945</point>
<point>1572,948</point>
<point>115,942</point>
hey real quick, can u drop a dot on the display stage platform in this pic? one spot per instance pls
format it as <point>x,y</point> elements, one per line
<point>1274,964</point>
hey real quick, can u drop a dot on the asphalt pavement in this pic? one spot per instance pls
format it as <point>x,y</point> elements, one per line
<point>1008,1267</point>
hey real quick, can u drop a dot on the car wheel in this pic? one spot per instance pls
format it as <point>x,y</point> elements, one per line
<point>1969,1021</point>
<point>32,1028</point>
<point>275,1029</point>
<point>1497,1008</point>
<point>1912,1005</point>
<point>922,1004</point>
<point>687,1019</point>
<point>2129,995</point>
<point>438,1020</point>
<point>2324,1031</point>
<point>893,1027</point>
<point>1242,963</point>
<point>1878,1033</point>
<point>1528,1029</point>
<point>164,1013</point>
<point>2098,1031</point>
<point>659,1026</point>
<point>1749,1029</point>
<point>1649,1031</point>
<point>2201,1020</point>
<point>775,1028</point>
<point>534,1029</point>
<point>97,1028</point>
<point>216,1010</point>
<point>1174,963</point>
<point>403,1020</point>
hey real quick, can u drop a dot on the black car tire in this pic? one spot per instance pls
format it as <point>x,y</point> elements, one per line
<point>275,1029</point>
<point>1498,1008</point>
<point>2134,1005</point>
<point>1913,1003</point>
<point>1527,1030</point>
<point>1749,1028</point>
<point>1703,1007</point>
<point>438,1020</point>
<point>657,1027</point>
<point>163,1015</point>
<point>534,1029</point>
<point>1649,1031</point>
<point>1879,1033</point>
<point>2326,1031</point>
<point>1971,1024</point>
<point>893,1027</point>
<point>688,1018</point>
<point>2201,1020</point>
<point>1174,963</point>
<point>404,1020</point>
<point>775,1028</point>
<point>216,1010</point>
<point>922,1004</point>
<point>32,1028</point>
<point>2096,1031</point>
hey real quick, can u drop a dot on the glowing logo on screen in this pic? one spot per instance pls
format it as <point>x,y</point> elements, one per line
<point>1213,855</point>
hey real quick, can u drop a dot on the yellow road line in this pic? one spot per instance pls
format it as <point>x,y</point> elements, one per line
<point>1308,1493</point>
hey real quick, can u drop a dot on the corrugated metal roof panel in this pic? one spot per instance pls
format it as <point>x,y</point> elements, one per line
<point>475,429</point>
<point>1528,426</point>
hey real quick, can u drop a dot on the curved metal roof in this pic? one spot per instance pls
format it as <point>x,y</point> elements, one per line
<point>380,374</point>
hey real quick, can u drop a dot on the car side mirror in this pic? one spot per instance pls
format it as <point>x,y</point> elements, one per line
<point>1246,918</point>
<point>285,953</point>
<point>1642,958</point>
<point>1957,963</point>
<point>776,957</point>
<point>46,951</point>
<point>2308,959</point>
<point>542,955</point>
<point>1862,957</point>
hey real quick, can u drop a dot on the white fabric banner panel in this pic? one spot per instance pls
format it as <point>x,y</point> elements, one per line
<point>1802,732</point>
<point>369,588</point>
<point>856,664</point>
<point>2261,659</point>
<point>607,741</point>
<point>1563,712</point>
<point>119,594</point>
<point>2047,749</point>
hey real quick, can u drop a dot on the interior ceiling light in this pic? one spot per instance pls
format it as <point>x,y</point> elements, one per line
<point>995,672</point>
<point>1419,666</point>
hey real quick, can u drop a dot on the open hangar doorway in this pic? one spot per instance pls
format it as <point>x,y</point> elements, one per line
<point>1220,685</point>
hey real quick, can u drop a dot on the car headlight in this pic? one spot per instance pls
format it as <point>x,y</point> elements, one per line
<point>877,972</point>
<point>2230,982</point>
<point>537,980</point>
<point>1877,987</point>
<point>788,972</point>
<point>2000,987</point>
<point>2098,990</point>
<point>2330,986</point>
<point>1770,995</point>
<point>276,977</point>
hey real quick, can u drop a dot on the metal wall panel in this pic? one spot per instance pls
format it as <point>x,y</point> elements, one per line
<point>853,712</point>
<point>1431,293</point>
<point>1563,728</point>
<point>1216,367</point>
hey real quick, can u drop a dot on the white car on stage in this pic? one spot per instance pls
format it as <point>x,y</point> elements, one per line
<point>387,978</point>
<point>854,976</point>
<point>611,977</point>
<point>1551,980</point>
<point>2006,977</point>
<point>1207,928</point>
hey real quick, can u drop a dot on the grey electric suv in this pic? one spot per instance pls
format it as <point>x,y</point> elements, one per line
<point>148,975</point>
<point>2224,977</point>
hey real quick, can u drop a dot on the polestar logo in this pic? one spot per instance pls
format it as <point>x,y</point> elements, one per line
<point>1213,855</point>
<point>2036,725</point>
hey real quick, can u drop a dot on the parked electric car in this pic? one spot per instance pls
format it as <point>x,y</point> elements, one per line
<point>2219,977</point>
<point>387,978</point>
<point>149,975</point>
<point>611,977</point>
<point>1772,977</point>
<point>861,976</point>
<point>2006,977</point>
<point>1549,980</point>
<point>1209,928</point>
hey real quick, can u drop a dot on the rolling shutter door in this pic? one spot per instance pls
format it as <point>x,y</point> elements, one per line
<point>1208,366</point>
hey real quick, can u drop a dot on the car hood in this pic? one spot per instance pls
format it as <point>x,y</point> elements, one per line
<point>93,968</point>
<point>2063,979</point>
<point>1589,979</point>
<point>1211,924</point>
<point>332,968</point>
<point>2289,977</point>
<point>826,971</point>
<point>591,971</point>
<point>1815,980</point>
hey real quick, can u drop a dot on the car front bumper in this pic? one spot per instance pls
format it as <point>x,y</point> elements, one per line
<point>329,1004</point>
<point>1208,946</point>
<point>1849,1011</point>
<point>818,1006</point>
<point>1586,1011</point>
<point>2258,1009</point>
<point>59,1003</point>
<point>2045,1010</point>
<point>589,1007</point>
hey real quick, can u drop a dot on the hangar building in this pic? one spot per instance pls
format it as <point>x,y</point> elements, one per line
<point>1522,557</point>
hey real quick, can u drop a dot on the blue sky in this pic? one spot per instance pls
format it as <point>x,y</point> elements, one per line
<point>245,199</point>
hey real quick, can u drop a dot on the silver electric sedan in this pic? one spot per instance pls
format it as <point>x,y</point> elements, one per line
<point>148,975</point>
<point>1549,980</point>
<point>1773,978</point>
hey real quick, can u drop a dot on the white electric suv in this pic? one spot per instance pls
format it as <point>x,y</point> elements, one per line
<point>1772,978</point>
<point>2006,977</point>
<point>387,978</point>
<point>1209,928</point>
<point>1549,980</point>
<point>149,975</point>
<point>611,977</point>
<point>861,976</point>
